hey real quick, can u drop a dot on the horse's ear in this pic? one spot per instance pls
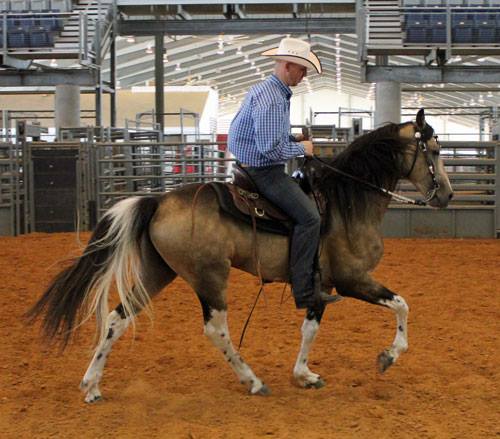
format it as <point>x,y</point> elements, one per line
<point>421,119</point>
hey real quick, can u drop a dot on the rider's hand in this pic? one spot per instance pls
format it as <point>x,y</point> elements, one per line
<point>299,137</point>
<point>308,148</point>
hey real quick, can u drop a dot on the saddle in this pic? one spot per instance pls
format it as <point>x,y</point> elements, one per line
<point>241,199</point>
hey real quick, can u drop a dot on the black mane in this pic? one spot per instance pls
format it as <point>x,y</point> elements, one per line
<point>374,157</point>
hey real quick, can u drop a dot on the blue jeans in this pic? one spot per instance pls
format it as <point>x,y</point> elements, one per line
<point>284,192</point>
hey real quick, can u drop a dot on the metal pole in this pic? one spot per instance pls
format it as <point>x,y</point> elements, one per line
<point>159,78</point>
<point>112,65</point>
<point>98,91</point>
<point>497,191</point>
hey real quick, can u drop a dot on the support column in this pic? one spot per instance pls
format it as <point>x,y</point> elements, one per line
<point>387,99</point>
<point>159,79</point>
<point>67,106</point>
<point>387,103</point>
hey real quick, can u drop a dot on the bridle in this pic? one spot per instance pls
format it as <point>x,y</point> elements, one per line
<point>422,137</point>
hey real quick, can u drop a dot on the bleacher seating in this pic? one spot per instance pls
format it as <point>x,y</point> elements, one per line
<point>31,30</point>
<point>425,22</point>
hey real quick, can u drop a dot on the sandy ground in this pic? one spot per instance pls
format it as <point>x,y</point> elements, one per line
<point>171,383</point>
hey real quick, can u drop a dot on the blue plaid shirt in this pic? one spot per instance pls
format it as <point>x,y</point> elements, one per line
<point>259,134</point>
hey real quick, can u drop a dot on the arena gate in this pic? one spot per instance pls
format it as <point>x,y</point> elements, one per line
<point>98,174</point>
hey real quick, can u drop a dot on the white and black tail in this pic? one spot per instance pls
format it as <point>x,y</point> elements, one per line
<point>113,254</point>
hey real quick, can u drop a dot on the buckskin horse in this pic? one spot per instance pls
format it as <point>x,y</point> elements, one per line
<point>142,243</point>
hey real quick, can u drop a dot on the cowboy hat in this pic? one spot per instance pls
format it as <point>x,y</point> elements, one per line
<point>295,51</point>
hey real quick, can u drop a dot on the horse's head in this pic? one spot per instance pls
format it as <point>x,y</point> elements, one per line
<point>423,165</point>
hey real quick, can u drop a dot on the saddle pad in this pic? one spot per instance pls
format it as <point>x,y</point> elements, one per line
<point>226,204</point>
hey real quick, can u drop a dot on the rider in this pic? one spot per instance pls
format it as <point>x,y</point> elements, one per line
<point>260,139</point>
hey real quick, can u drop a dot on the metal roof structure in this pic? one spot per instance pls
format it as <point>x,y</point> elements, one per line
<point>219,44</point>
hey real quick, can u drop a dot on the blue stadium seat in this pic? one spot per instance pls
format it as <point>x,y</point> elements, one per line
<point>416,19</point>
<point>437,34</point>
<point>12,23</point>
<point>416,35</point>
<point>437,19</point>
<point>485,29</point>
<point>460,19</point>
<point>39,37</point>
<point>462,35</point>
<point>16,39</point>
<point>26,23</point>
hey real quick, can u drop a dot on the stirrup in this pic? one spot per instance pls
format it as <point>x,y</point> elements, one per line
<point>326,299</point>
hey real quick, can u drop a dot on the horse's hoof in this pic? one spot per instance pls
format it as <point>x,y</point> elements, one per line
<point>263,391</point>
<point>92,399</point>
<point>316,385</point>
<point>384,360</point>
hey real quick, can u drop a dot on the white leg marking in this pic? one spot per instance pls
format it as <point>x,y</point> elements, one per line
<point>217,331</point>
<point>301,371</point>
<point>400,343</point>
<point>115,327</point>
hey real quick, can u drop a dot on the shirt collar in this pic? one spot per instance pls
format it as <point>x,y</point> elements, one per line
<point>281,85</point>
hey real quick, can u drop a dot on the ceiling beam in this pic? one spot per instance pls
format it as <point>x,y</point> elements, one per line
<point>340,25</point>
<point>48,78</point>
<point>432,75</point>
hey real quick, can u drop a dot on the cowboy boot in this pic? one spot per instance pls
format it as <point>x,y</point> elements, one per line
<point>320,296</point>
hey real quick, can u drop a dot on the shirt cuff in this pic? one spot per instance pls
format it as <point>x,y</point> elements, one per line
<point>300,147</point>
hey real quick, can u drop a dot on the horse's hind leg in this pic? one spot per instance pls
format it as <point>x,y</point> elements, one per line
<point>156,275</point>
<point>373,292</point>
<point>116,324</point>
<point>210,286</point>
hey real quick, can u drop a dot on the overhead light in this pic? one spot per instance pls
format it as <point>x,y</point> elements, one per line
<point>489,95</point>
<point>239,51</point>
<point>165,58</point>
<point>53,63</point>
<point>118,85</point>
<point>246,59</point>
<point>178,67</point>
<point>149,50</point>
<point>130,39</point>
<point>483,59</point>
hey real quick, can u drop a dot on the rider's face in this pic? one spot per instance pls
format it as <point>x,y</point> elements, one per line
<point>295,73</point>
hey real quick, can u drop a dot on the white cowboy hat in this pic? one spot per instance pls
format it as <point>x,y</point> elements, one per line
<point>296,51</point>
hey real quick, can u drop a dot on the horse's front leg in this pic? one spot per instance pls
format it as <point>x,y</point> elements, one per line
<point>370,291</point>
<point>301,372</point>
<point>400,343</point>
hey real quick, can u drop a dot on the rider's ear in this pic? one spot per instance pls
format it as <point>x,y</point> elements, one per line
<point>421,119</point>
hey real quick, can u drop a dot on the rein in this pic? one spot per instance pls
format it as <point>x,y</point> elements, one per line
<point>421,145</point>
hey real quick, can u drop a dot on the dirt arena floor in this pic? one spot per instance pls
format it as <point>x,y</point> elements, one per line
<point>171,383</point>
